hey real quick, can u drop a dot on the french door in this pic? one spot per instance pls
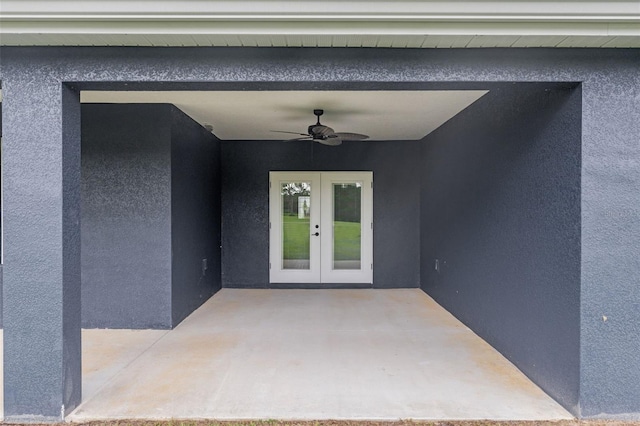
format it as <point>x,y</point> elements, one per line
<point>321,227</point>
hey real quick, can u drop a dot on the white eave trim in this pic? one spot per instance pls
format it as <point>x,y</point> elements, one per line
<point>24,20</point>
<point>320,17</point>
<point>331,9</point>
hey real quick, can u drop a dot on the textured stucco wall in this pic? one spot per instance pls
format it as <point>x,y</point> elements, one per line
<point>501,214</point>
<point>126,216</point>
<point>610,175</point>
<point>151,213</point>
<point>195,215</point>
<point>1,242</point>
<point>245,204</point>
<point>610,292</point>
<point>41,291</point>
<point>0,297</point>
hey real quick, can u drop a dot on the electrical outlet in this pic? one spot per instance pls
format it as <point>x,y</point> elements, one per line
<point>204,267</point>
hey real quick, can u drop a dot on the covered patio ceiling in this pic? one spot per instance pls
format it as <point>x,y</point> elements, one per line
<point>253,115</point>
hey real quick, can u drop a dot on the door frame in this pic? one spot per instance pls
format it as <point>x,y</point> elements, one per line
<point>321,270</point>
<point>277,273</point>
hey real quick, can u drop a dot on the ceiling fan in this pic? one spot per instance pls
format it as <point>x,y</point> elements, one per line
<point>324,134</point>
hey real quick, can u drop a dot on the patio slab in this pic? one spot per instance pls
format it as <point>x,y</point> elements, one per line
<point>307,354</point>
<point>105,353</point>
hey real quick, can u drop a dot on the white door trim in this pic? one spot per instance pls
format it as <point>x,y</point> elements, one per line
<point>277,272</point>
<point>321,213</point>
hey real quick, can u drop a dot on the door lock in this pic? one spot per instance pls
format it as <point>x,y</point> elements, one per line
<point>316,234</point>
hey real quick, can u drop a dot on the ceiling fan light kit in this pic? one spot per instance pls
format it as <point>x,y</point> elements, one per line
<point>324,134</point>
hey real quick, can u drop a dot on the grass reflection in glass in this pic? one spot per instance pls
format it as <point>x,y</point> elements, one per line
<point>296,229</point>
<point>346,237</point>
<point>297,233</point>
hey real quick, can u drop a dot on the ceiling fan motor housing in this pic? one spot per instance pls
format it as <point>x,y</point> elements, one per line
<point>319,131</point>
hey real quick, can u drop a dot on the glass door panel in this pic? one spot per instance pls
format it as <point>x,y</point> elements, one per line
<point>347,213</point>
<point>294,212</point>
<point>347,225</point>
<point>296,224</point>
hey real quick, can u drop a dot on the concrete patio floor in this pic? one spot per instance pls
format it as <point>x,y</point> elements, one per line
<point>306,354</point>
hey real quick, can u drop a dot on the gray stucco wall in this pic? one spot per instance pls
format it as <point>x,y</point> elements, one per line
<point>501,214</point>
<point>41,293</point>
<point>1,226</point>
<point>195,215</point>
<point>126,216</point>
<point>245,204</point>
<point>610,292</point>
<point>1,297</point>
<point>151,213</point>
<point>38,81</point>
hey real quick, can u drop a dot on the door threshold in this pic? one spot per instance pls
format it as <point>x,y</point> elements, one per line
<point>313,286</point>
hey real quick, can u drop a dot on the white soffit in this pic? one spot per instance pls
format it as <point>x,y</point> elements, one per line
<point>245,115</point>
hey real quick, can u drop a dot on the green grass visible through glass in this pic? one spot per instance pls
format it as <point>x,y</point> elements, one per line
<point>295,238</point>
<point>346,241</point>
<point>297,232</point>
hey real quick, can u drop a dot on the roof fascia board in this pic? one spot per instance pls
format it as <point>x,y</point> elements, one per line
<point>319,11</point>
<point>329,28</point>
<point>78,22</point>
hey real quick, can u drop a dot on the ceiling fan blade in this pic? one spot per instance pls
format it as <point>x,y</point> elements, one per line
<point>352,136</point>
<point>306,138</point>
<point>333,141</point>
<point>290,133</point>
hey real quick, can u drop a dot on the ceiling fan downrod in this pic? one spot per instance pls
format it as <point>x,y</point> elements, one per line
<point>318,113</point>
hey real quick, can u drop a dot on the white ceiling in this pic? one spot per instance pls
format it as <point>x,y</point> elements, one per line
<point>245,115</point>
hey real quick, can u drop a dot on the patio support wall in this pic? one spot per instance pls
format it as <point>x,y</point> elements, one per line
<point>1,242</point>
<point>610,274</point>
<point>609,373</point>
<point>41,292</point>
<point>501,216</point>
<point>151,213</point>
<point>195,215</point>
<point>126,216</point>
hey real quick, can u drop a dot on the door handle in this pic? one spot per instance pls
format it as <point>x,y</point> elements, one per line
<point>316,234</point>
